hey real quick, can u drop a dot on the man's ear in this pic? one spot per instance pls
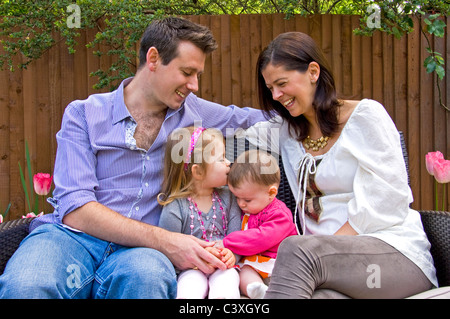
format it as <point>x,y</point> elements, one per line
<point>273,191</point>
<point>152,58</point>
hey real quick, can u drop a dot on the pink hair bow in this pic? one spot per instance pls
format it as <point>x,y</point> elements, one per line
<point>194,137</point>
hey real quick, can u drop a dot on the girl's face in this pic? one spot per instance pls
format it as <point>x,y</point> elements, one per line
<point>293,89</point>
<point>217,165</point>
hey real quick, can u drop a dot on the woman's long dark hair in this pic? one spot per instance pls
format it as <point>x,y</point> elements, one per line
<point>295,51</point>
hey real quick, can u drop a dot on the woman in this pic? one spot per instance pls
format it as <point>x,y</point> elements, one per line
<point>344,163</point>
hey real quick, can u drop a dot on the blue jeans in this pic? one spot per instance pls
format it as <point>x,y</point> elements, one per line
<point>54,262</point>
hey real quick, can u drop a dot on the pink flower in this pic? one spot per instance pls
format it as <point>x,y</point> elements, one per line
<point>42,183</point>
<point>29,215</point>
<point>1,219</point>
<point>442,171</point>
<point>431,158</point>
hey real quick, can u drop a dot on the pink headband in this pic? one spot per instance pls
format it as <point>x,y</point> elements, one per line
<point>194,137</point>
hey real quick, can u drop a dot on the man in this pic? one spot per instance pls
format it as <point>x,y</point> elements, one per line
<point>102,240</point>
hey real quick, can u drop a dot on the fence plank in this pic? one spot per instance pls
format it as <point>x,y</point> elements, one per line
<point>5,156</point>
<point>426,123</point>
<point>413,133</point>
<point>400,68</point>
<point>225,53</point>
<point>16,140</point>
<point>235,60</point>
<point>356,67</point>
<point>346,31</point>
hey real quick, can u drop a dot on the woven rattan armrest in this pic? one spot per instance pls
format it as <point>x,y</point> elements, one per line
<point>437,227</point>
<point>11,235</point>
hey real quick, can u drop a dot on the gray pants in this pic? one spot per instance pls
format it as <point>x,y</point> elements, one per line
<point>343,267</point>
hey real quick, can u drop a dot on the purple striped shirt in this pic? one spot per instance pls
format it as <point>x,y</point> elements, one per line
<point>97,158</point>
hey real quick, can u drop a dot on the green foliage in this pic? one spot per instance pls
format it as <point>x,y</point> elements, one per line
<point>30,28</point>
<point>29,196</point>
<point>396,18</point>
<point>5,213</point>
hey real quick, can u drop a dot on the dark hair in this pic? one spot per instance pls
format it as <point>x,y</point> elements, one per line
<point>166,34</point>
<point>295,51</point>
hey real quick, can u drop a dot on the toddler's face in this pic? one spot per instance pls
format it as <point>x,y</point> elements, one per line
<point>252,197</point>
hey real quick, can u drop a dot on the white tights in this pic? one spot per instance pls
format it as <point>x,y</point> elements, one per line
<point>194,284</point>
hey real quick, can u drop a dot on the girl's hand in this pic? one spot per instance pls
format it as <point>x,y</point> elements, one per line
<point>219,244</point>
<point>213,250</point>
<point>223,254</point>
<point>228,257</point>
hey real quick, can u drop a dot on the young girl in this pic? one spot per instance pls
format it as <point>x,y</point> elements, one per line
<point>195,203</point>
<point>254,179</point>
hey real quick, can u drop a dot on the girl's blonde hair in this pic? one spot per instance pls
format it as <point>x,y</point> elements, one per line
<point>178,161</point>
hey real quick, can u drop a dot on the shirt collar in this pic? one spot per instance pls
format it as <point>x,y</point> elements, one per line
<point>120,109</point>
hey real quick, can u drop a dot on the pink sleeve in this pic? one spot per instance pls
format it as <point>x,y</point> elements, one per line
<point>276,226</point>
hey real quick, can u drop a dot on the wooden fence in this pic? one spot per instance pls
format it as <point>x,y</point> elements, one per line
<point>381,67</point>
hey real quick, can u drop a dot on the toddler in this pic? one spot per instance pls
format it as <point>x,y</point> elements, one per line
<point>254,179</point>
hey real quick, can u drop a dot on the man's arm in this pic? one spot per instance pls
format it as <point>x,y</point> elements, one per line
<point>183,251</point>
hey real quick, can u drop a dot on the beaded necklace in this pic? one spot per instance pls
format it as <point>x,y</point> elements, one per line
<point>212,227</point>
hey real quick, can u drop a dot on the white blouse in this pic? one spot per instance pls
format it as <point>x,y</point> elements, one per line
<point>362,179</point>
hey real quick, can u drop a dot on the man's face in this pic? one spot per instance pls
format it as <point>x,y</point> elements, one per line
<point>174,81</point>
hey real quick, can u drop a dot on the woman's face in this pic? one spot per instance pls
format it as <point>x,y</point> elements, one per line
<point>293,89</point>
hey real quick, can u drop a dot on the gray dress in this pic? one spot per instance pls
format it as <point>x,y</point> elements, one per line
<point>175,217</point>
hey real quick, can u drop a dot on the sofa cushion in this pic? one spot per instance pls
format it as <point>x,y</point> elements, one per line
<point>437,293</point>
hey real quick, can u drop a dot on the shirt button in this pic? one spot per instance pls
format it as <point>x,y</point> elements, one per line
<point>146,184</point>
<point>148,158</point>
<point>137,208</point>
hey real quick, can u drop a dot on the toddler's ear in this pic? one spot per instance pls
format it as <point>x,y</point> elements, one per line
<point>273,191</point>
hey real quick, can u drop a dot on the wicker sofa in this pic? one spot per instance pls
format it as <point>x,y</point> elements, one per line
<point>436,225</point>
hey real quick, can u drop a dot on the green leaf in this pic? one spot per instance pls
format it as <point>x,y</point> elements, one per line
<point>437,28</point>
<point>431,67</point>
<point>24,186</point>
<point>439,59</point>
<point>440,71</point>
<point>396,32</point>
<point>428,60</point>
<point>435,16</point>
<point>6,211</point>
<point>30,177</point>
